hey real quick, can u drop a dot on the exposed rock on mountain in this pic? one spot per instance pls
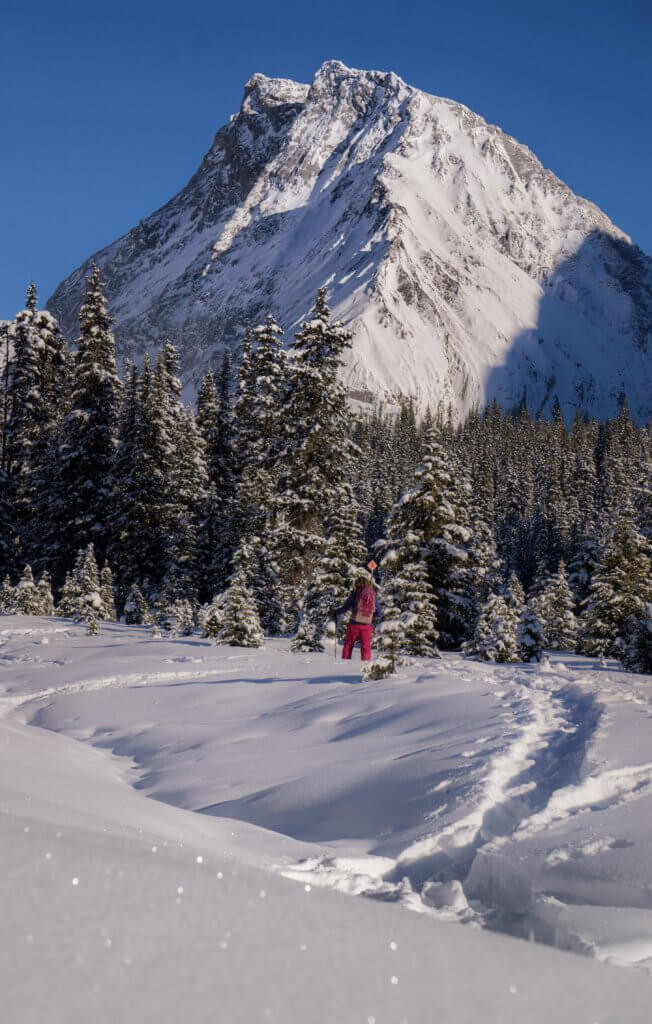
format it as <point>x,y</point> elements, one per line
<point>465,269</point>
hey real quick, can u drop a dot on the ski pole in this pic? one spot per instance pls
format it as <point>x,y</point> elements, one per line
<point>335,640</point>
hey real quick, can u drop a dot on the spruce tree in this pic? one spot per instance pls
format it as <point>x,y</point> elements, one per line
<point>637,647</point>
<point>240,623</point>
<point>45,598</point>
<point>344,553</point>
<point>494,638</point>
<point>315,452</point>
<point>136,608</point>
<point>107,594</point>
<point>620,589</point>
<point>418,609</point>
<point>555,605</point>
<point>7,597</point>
<point>434,511</point>
<point>188,490</point>
<point>27,598</point>
<point>90,606</point>
<point>530,635</point>
<point>212,618</point>
<point>67,606</point>
<point>89,441</point>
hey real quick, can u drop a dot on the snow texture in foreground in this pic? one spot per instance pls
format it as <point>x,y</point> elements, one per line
<point>507,797</point>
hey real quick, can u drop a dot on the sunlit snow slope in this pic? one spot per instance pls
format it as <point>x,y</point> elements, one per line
<point>465,269</point>
<point>154,791</point>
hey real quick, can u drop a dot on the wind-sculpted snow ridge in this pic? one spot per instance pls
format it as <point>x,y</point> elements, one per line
<point>465,269</point>
<point>507,798</point>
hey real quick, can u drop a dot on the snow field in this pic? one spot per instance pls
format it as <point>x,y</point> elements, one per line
<point>495,795</point>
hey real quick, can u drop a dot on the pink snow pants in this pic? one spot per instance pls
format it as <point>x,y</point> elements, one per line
<point>357,631</point>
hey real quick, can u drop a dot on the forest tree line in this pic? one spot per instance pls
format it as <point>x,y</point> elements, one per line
<point>254,511</point>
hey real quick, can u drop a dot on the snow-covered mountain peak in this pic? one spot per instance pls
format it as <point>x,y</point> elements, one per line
<point>465,269</point>
<point>261,92</point>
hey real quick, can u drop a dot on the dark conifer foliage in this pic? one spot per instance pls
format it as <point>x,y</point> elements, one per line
<point>89,434</point>
<point>498,534</point>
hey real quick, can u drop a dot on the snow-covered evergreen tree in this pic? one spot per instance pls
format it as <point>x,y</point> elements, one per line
<point>212,618</point>
<point>530,635</point>
<point>136,608</point>
<point>34,402</point>
<point>494,638</point>
<point>240,622</point>
<point>336,570</point>
<point>107,594</point>
<point>637,647</point>
<point>27,598</point>
<point>89,605</point>
<point>7,597</point>
<point>89,437</point>
<point>316,450</point>
<point>179,618</point>
<point>215,542</point>
<point>67,605</point>
<point>45,598</point>
<point>188,489</point>
<point>418,609</point>
<point>555,606</point>
<point>620,589</point>
<point>514,594</point>
<point>432,515</point>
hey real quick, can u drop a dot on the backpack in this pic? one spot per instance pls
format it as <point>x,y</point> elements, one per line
<point>365,605</point>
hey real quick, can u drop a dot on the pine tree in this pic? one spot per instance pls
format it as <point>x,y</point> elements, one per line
<point>620,589</point>
<point>212,619</point>
<point>316,450</point>
<point>555,606</point>
<point>530,635</point>
<point>90,606</point>
<point>89,442</point>
<point>44,592</point>
<point>136,608</point>
<point>418,610</point>
<point>335,572</point>
<point>131,512</point>
<point>188,491</point>
<point>217,541</point>
<point>27,598</point>
<point>240,623</point>
<point>494,638</point>
<point>179,619</point>
<point>107,594</point>
<point>637,648</point>
<point>433,511</point>
<point>7,597</point>
<point>582,567</point>
<point>267,400</point>
<point>42,475</point>
<point>67,606</point>
<point>514,594</point>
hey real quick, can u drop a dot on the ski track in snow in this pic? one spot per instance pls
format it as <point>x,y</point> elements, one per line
<point>535,781</point>
<point>538,778</point>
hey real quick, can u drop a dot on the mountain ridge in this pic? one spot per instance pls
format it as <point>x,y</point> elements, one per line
<point>443,242</point>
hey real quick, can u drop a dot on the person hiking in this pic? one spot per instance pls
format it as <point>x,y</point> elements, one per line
<point>364,605</point>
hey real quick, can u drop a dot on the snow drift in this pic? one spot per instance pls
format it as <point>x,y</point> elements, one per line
<point>483,796</point>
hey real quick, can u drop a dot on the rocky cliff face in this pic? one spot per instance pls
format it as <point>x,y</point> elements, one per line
<point>465,269</point>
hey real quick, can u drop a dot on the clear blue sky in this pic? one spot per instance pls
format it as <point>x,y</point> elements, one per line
<point>107,108</point>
